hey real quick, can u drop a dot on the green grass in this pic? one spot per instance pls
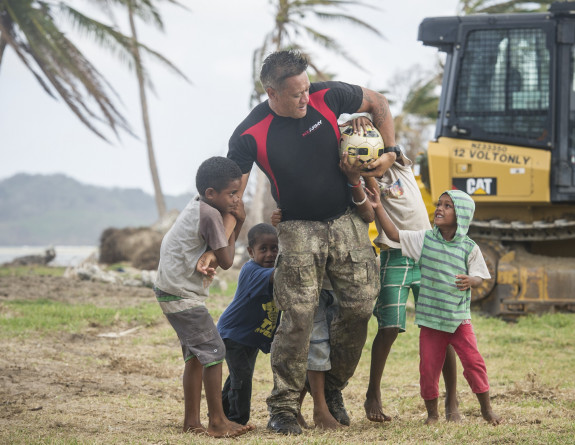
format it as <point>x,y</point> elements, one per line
<point>27,317</point>
<point>18,271</point>
<point>530,364</point>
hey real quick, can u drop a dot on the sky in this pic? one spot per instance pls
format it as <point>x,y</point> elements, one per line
<point>212,43</point>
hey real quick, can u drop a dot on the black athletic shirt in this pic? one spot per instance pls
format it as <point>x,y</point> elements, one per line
<point>300,157</point>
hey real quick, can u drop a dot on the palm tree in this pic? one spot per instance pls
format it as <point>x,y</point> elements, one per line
<point>466,7</point>
<point>290,25</point>
<point>418,107</point>
<point>29,29</point>
<point>146,11</point>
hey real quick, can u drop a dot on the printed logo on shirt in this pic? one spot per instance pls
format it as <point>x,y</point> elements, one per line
<point>269,324</point>
<point>311,129</point>
<point>395,190</point>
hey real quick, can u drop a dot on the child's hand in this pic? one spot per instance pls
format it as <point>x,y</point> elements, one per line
<point>463,282</point>
<point>276,217</point>
<point>374,196</point>
<point>239,212</point>
<point>352,172</point>
<point>207,264</point>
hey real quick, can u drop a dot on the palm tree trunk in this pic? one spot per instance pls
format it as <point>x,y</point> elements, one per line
<point>159,196</point>
<point>3,43</point>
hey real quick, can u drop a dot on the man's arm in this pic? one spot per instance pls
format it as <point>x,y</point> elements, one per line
<point>376,104</point>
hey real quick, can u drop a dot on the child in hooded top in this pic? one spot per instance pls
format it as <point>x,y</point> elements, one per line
<point>451,264</point>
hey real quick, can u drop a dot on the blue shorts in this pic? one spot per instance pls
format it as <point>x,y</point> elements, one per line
<point>319,347</point>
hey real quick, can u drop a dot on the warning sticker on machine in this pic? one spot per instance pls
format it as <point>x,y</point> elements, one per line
<point>476,186</point>
<point>491,154</point>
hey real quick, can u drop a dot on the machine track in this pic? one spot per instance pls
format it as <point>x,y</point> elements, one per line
<point>560,229</point>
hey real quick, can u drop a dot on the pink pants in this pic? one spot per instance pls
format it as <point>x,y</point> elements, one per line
<point>432,348</point>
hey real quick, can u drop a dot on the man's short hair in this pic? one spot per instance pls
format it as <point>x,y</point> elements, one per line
<point>216,172</point>
<point>280,65</point>
<point>258,230</point>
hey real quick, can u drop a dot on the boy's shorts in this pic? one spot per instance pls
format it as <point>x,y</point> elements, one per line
<point>398,275</point>
<point>319,347</point>
<point>198,335</point>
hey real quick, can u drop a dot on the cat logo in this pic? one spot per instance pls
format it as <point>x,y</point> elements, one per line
<point>476,186</point>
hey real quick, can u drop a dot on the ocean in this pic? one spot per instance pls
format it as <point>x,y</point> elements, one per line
<point>65,255</point>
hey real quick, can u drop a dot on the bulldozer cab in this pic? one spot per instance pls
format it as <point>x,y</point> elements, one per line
<point>505,134</point>
<point>509,80</point>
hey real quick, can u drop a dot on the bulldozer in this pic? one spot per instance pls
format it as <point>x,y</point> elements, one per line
<point>505,134</point>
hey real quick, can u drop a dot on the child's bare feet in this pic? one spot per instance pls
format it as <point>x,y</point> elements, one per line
<point>227,428</point>
<point>491,417</point>
<point>486,410</point>
<point>452,409</point>
<point>325,421</point>
<point>301,421</point>
<point>432,412</point>
<point>373,410</point>
<point>194,429</point>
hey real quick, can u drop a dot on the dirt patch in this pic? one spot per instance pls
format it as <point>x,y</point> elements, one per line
<point>89,387</point>
<point>32,287</point>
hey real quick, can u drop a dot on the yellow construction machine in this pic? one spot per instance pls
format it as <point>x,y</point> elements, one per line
<point>505,134</point>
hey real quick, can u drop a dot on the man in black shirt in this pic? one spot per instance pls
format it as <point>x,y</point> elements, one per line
<point>294,138</point>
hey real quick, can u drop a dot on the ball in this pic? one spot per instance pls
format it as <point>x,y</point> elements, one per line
<point>362,147</point>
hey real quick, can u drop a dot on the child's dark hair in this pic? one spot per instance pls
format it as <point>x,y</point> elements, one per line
<point>216,172</point>
<point>258,230</point>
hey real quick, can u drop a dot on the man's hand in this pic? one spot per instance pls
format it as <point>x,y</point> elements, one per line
<point>378,167</point>
<point>360,124</point>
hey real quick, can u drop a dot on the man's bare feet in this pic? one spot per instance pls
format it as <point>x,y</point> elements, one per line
<point>452,409</point>
<point>227,428</point>
<point>325,421</point>
<point>431,420</point>
<point>374,412</point>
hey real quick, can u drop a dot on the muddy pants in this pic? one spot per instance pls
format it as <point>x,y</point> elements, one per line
<point>308,249</point>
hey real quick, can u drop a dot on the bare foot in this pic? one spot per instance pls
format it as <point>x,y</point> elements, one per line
<point>227,428</point>
<point>452,409</point>
<point>194,429</point>
<point>431,420</point>
<point>491,417</point>
<point>325,421</point>
<point>374,412</point>
<point>301,421</point>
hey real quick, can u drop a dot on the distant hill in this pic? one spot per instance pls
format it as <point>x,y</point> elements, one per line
<point>41,210</point>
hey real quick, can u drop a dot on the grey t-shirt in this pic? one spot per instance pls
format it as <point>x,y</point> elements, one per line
<point>198,227</point>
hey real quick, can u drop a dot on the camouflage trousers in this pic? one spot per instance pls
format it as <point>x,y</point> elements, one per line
<point>308,249</point>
